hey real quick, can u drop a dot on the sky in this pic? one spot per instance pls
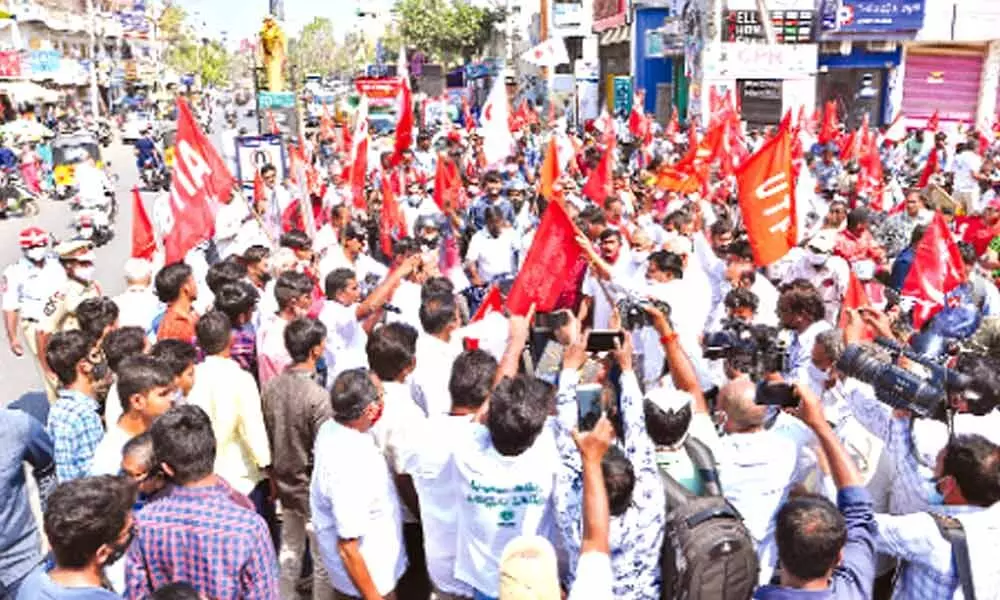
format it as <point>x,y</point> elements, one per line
<point>242,18</point>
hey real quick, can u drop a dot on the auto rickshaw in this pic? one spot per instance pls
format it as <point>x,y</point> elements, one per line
<point>67,152</point>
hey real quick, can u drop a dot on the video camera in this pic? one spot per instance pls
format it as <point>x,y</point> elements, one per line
<point>633,311</point>
<point>922,387</point>
<point>756,350</point>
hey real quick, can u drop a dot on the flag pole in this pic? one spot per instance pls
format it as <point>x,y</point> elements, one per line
<point>238,191</point>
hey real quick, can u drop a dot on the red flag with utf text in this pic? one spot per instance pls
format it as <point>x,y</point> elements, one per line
<point>767,199</point>
<point>855,297</point>
<point>548,265</point>
<point>200,181</point>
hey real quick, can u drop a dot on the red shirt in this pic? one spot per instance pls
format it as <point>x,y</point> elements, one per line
<point>177,325</point>
<point>853,247</point>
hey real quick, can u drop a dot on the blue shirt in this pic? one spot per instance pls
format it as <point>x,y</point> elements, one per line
<point>853,578</point>
<point>76,429</point>
<point>22,439</point>
<point>900,268</point>
<point>39,586</point>
<point>477,212</point>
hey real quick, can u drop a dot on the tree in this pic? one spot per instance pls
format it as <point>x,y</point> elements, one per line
<point>170,25</point>
<point>313,50</point>
<point>447,30</point>
<point>208,59</point>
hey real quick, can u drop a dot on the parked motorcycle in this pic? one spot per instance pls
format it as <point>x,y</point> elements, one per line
<point>104,134</point>
<point>95,218</point>
<point>16,200</point>
<point>155,177</point>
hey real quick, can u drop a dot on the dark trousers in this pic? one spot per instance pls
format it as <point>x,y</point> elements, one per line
<point>265,508</point>
<point>415,584</point>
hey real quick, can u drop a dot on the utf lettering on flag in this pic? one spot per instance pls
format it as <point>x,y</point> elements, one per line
<point>767,199</point>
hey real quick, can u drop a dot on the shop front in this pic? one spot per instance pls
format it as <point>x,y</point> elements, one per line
<point>857,80</point>
<point>766,79</point>
<point>614,42</point>
<point>659,63</point>
<point>942,78</point>
<point>861,48</point>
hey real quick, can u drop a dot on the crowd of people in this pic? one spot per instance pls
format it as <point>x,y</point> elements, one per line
<point>318,406</point>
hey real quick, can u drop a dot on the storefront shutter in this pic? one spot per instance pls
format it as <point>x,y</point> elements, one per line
<point>948,83</point>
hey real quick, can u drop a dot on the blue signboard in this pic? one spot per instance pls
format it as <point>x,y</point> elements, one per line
<point>43,61</point>
<point>866,16</point>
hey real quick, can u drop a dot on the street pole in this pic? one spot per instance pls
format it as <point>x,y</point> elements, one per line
<point>92,31</point>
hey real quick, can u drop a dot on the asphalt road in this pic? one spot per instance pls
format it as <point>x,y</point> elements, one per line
<point>18,376</point>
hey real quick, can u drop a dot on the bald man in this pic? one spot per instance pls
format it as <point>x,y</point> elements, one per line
<point>758,466</point>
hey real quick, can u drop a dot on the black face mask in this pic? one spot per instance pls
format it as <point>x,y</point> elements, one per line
<point>264,277</point>
<point>100,370</point>
<point>118,550</point>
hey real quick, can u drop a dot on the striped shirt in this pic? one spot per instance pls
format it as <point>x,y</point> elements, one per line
<point>76,429</point>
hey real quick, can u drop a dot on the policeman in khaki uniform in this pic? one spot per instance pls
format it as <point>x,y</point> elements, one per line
<point>27,285</point>
<point>59,312</point>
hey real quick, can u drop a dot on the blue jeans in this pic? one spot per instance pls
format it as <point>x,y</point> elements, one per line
<point>477,595</point>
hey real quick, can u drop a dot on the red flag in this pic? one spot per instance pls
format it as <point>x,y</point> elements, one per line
<point>550,170</point>
<point>855,297</point>
<point>359,158</point>
<point>933,122</point>
<point>936,271</point>
<point>258,188</point>
<point>392,224</point>
<point>200,181</point>
<point>929,169</point>
<point>547,267</point>
<point>767,199</point>
<point>599,183</point>
<point>828,130</point>
<point>470,122</point>
<point>404,127</point>
<point>272,124</point>
<point>812,125</point>
<point>786,120</point>
<point>673,126</point>
<point>493,302</point>
<point>447,184</point>
<point>872,179</point>
<point>326,129</point>
<point>291,217</point>
<point>143,238</point>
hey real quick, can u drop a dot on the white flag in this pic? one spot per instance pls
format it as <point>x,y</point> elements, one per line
<point>549,53</point>
<point>497,138</point>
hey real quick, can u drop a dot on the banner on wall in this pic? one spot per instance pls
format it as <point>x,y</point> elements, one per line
<point>867,16</point>
<point>10,63</point>
<point>255,151</point>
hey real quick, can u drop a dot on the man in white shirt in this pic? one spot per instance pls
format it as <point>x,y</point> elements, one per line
<point>417,203</point>
<point>506,475</point>
<point>828,273</point>
<point>622,269</point>
<point>492,251</point>
<point>328,236</point>
<point>137,305</point>
<point>966,167</point>
<point>354,503</point>
<point>802,311</point>
<point>437,350</point>
<point>761,466</point>
<point>275,202</point>
<point>351,254</point>
<point>348,318</point>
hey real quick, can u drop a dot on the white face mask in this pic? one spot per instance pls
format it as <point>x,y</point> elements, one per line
<point>86,232</point>
<point>816,374</point>
<point>84,273</point>
<point>817,259</point>
<point>36,254</point>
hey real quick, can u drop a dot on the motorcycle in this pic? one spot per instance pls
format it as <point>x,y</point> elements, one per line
<point>15,198</point>
<point>95,221</point>
<point>104,135</point>
<point>155,177</point>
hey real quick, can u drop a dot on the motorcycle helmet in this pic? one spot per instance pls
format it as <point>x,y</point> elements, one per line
<point>33,237</point>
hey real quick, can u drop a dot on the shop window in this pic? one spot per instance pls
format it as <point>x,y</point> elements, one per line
<point>760,101</point>
<point>857,92</point>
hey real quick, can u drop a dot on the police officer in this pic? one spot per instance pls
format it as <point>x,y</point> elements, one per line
<point>59,312</point>
<point>26,286</point>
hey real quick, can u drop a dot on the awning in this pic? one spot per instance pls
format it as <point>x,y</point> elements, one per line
<point>26,91</point>
<point>615,35</point>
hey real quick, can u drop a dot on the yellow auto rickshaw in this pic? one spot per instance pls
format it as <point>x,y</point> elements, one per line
<point>67,152</point>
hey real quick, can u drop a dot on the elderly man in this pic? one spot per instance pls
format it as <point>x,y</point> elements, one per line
<point>137,305</point>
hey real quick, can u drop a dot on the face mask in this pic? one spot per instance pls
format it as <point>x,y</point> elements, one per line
<point>934,496</point>
<point>178,397</point>
<point>816,374</point>
<point>265,277</point>
<point>118,550</point>
<point>87,232</point>
<point>817,260</point>
<point>99,371</point>
<point>84,273</point>
<point>36,254</point>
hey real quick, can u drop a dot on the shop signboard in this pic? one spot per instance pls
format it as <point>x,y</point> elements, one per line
<point>609,14</point>
<point>281,107</point>
<point>43,62</point>
<point>867,16</point>
<point>375,88</point>
<point>790,26</point>
<point>746,60</point>
<point>622,94</point>
<point>760,101</point>
<point>10,63</point>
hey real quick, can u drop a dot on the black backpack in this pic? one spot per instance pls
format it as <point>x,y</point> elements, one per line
<point>708,554</point>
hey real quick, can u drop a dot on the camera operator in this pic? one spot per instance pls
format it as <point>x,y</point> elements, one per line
<point>965,486</point>
<point>822,547</point>
<point>801,310</point>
